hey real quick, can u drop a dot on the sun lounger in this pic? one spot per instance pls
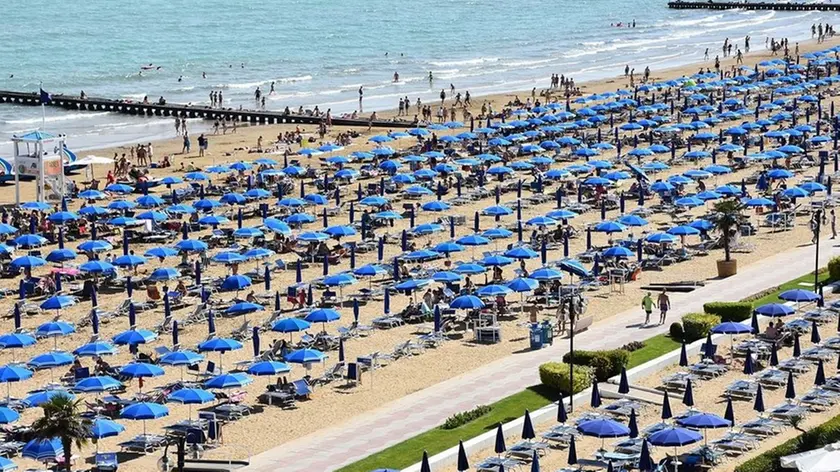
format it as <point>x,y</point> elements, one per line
<point>493,464</point>
<point>736,443</point>
<point>786,411</point>
<point>832,343</point>
<point>143,443</point>
<point>621,408</point>
<point>629,446</point>
<point>524,450</point>
<point>708,369</point>
<point>387,322</point>
<point>818,353</point>
<point>763,427</point>
<point>106,462</point>
<point>742,389</point>
<point>797,366</point>
<point>772,378</point>
<point>232,411</point>
<point>678,380</point>
<point>820,398</point>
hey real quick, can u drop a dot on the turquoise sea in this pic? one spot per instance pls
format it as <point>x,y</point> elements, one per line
<point>318,52</point>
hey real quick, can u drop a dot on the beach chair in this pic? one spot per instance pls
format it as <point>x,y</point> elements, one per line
<point>106,462</point>
<point>763,427</point>
<point>524,450</point>
<point>335,373</point>
<point>742,389</point>
<point>736,443</point>
<point>787,411</point>
<point>302,389</point>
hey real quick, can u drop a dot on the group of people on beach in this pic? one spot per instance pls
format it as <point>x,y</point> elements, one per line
<point>821,32</point>
<point>216,99</point>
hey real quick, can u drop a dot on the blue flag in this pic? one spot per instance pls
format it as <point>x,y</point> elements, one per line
<point>45,97</point>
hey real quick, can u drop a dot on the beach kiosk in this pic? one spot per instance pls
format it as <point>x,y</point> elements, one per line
<point>40,155</point>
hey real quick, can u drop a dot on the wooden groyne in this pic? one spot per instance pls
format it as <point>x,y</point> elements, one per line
<point>188,111</point>
<point>754,6</point>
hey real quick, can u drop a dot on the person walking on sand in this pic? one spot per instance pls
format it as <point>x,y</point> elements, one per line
<point>664,303</point>
<point>833,225</point>
<point>647,305</point>
<point>705,56</point>
<point>186,148</point>
<point>361,95</point>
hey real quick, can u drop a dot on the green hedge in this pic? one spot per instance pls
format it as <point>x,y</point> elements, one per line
<point>729,311</point>
<point>555,375</point>
<point>676,331</point>
<point>826,433</point>
<point>605,364</point>
<point>698,325</point>
<point>834,268</point>
<point>459,419</point>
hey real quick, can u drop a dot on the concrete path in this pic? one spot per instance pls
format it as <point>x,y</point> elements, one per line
<point>331,448</point>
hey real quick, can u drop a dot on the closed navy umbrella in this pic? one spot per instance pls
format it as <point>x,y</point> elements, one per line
<point>797,350</point>
<point>758,405</point>
<point>774,355</point>
<point>424,465</point>
<point>463,463</point>
<point>528,427</point>
<point>729,414</point>
<point>298,274</point>
<point>623,385</point>
<point>572,459</point>
<point>688,396</point>
<point>499,447</point>
<point>211,323</point>
<point>709,351</point>
<point>754,324</point>
<point>632,424</point>
<point>645,461</point>
<point>277,300</point>
<point>790,391</point>
<point>535,462</point>
<point>819,379</point>
<point>341,350</point>
<point>255,338</point>
<point>748,364</point>
<point>815,333</point>
<point>562,416</point>
<point>175,342</point>
<point>595,399</point>
<point>683,355</point>
<point>666,406</point>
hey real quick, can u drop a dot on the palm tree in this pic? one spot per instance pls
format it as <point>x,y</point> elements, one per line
<point>62,419</point>
<point>728,218</point>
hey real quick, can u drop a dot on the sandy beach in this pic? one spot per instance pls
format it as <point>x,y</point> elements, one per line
<point>268,427</point>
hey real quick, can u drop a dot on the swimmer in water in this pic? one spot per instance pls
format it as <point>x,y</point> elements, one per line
<point>181,78</point>
<point>396,77</point>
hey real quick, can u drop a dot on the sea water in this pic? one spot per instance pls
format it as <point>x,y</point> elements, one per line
<point>319,52</point>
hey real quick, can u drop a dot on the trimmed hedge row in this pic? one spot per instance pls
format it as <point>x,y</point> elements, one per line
<point>698,325</point>
<point>729,311</point>
<point>605,364</point>
<point>819,436</point>
<point>834,268</point>
<point>555,375</point>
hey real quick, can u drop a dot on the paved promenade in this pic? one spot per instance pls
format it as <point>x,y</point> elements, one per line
<point>331,448</point>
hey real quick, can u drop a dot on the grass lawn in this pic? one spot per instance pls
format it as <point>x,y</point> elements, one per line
<point>773,297</point>
<point>434,441</point>
<point>408,452</point>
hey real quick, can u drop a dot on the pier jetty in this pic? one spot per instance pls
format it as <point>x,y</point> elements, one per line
<point>129,107</point>
<point>777,6</point>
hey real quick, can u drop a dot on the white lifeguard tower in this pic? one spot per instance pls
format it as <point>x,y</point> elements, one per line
<point>40,155</point>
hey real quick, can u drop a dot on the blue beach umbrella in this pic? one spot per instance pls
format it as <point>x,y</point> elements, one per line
<point>43,450</point>
<point>101,383</point>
